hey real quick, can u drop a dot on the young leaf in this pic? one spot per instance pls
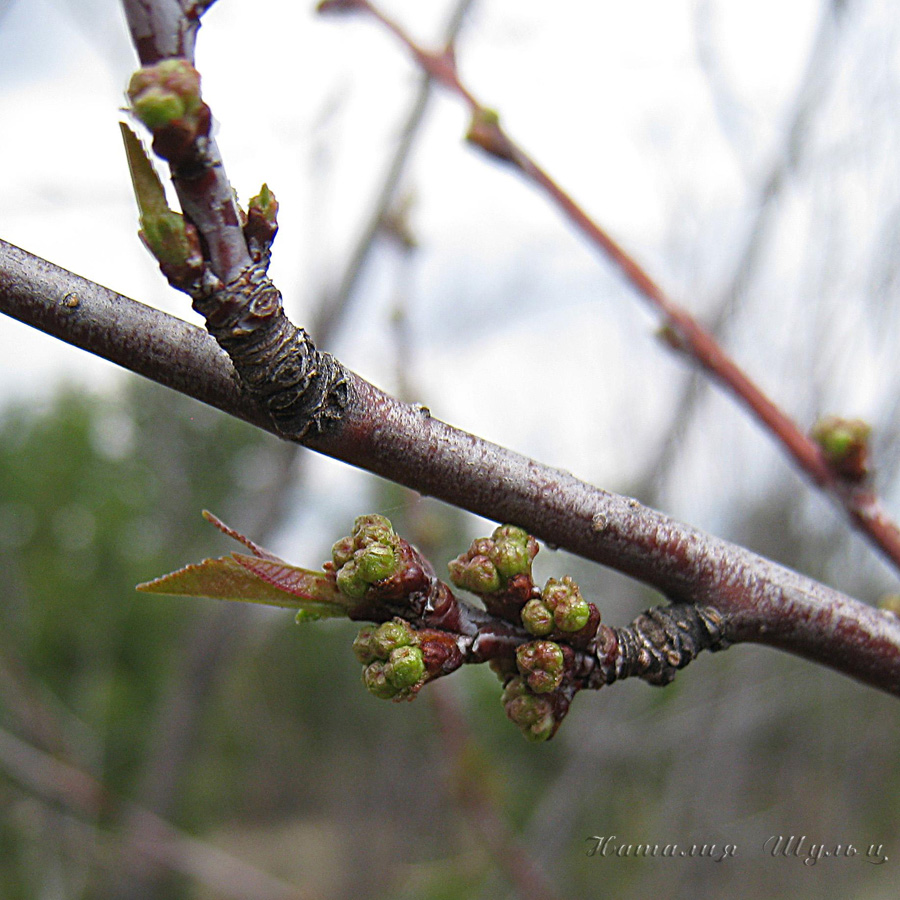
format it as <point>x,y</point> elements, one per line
<point>252,546</point>
<point>262,578</point>
<point>148,189</point>
<point>312,594</point>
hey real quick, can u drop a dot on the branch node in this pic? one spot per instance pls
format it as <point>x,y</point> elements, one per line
<point>658,643</point>
<point>304,389</point>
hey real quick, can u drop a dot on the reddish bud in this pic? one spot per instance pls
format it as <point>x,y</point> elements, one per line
<point>845,445</point>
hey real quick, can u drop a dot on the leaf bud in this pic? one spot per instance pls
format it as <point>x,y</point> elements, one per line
<point>485,132</point>
<point>845,445</point>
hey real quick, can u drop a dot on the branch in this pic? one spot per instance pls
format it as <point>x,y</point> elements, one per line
<point>758,600</point>
<point>807,102</point>
<point>336,303</point>
<point>682,331</point>
<point>57,781</point>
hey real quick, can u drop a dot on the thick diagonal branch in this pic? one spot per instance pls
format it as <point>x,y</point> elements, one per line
<point>758,600</point>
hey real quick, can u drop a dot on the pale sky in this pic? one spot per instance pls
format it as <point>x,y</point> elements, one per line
<point>660,116</point>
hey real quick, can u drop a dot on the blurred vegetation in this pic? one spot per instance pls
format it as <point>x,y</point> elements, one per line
<point>291,767</point>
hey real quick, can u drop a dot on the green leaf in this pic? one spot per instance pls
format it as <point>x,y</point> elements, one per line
<point>234,578</point>
<point>261,578</point>
<point>148,189</point>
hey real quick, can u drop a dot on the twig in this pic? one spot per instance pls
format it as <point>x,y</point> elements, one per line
<point>167,29</point>
<point>808,100</point>
<point>211,643</point>
<point>529,880</point>
<point>859,502</point>
<point>156,840</point>
<point>335,305</point>
<point>761,601</point>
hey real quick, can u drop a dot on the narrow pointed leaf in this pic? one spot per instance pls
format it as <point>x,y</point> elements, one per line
<point>302,583</point>
<point>253,547</point>
<point>148,189</point>
<point>220,579</point>
<point>319,593</point>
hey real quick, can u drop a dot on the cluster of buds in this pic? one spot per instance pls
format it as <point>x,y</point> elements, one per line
<point>418,638</point>
<point>166,98</point>
<point>498,564</point>
<point>559,608</point>
<point>394,665</point>
<point>536,694</point>
<point>542,665</point>
<point>370,554</point>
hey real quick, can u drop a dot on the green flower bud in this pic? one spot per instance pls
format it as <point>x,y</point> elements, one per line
<point>364,645</point>
<point>515,687</point>
<point>532,714</point>
<point>542,664</point>
<point>376,562</point>
<point>572,614</point>
<point>537,618</point>
<point>373,529</point>
<point>405,667</point>
<point>389,636</point>
<point>350,583</point>
<point>376,682</point>
<point>478,574</point>
<point>157,108</point>
<point>342,551</point>
<point>514,550</point>
<point>556,591</point>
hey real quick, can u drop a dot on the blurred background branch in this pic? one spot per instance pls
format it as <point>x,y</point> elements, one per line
<point>303,778</point>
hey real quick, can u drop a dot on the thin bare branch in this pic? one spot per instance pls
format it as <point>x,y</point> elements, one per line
<point>163,29</point>
<point>56,781</point>
<point>334,308</point>
<point>684,332</point>
<point>810,93</point>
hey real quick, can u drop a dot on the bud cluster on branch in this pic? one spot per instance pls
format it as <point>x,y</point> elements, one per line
<point>544,644</point>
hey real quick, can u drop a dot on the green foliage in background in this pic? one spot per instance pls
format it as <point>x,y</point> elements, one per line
<point>294,768</point>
